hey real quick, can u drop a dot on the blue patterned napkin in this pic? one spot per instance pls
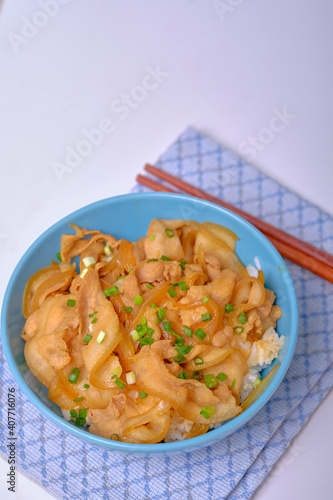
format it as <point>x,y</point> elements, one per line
<point>234,467</point>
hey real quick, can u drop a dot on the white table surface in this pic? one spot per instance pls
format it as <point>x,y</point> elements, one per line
<point>223,72</point>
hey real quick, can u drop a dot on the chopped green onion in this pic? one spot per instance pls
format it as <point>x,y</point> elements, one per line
<point>183,286</point>
<point>185,349</point>
<point>146,341</point>
<point>163,257</point>
<point>86,386</point>
<point>238,330</point>
<point>139,327</point>
<point>144,322</point>
<point>130,378</point>
<point>179,342</point>
<point>88,261</point>
<point>221,377</point>
<point>207,411</point>
<point>167,326</point>
<point>73,376</point>
<point>79,421</point>
<point>116,372</point>
<point>198,361</point>
<point>160,314</point>
<point>59,257</point>
<point>233,383</point>
<point>135,336</point>
<point>188,331</point>
<point>179,359</point>
<point>73,413</point>
<point>229,308</point>
<point>210,381</point>
<point>111,291</point>
<point>152,237</point>
<point>174,284</point>
<point>152,260</point>
<point>78,400</point>
<point>183,375</point>
<point>87,338</point>
<point>129,309</point>
<point>150,331</point>
<point>172,293</point>
<point>92,314</point>
<point>169,232</point>
<point>82,413</point>
<point>107,250</point>
<point>242,318</point>
<point>115,438</point>
<point>100,337</point>
<point>120,383</point>
<point>206,299</point>
<point>93,321</point>
<point>182,264</point>
<point>200,334</point>
<point>138,300</point>
<point>206,317</point>
<point>154,306</point>
<point>256,382</point>
<point>149,286</point>
<point>83,273</point>
<point>196,374</point>
<point>121,277</point>
<point>143,395</point>
<point>71,303</point>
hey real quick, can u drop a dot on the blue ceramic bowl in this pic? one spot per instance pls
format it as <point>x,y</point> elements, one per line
<point>128,217</point>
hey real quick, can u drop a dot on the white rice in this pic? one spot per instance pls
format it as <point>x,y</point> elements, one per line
<point>178,429</point>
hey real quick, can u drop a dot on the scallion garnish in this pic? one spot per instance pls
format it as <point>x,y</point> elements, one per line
<point>169,232</point>
<point>206,299</point>
<point>92,314</point>
<point>256,383</point>
<point>138,300</point>
<point>86,386</point>
<point>172,292</point>
<point>233,383</point>
<point>146,341</point>
<point>206,317</point>
<point>82,413</point>
<point>78,400</point>
<point>100,337</point>
<point>88,261</point>
<point>114,437</point>
<point>163,257</point>
<point>130,378</point>
<point>111,291</point>
<point>174,284</point>
<point>79,421</point>
<point>71,303</point>
<point>160,314</point>
<point>221,377</point>
<point>87,338</point>
<point>210,381</point>
<point>242,318</point>
<point>73,376</point>
<point>135,336</point>
<point>185,349</point>
<point>196,374</point>
<point>229,308</point>
<point>207,411</point>
<point>167,326</point>
<point>182,264</point>
<point>238,330</point>
<point>179,359</point>
<point>129,309</point>
<point>59,257</point>
<point>152,260</point>
<point>154,306</point>
<point>198,361</point>
<point>188,331</point>
<point>183,286</point>
<point>200,333</point>
<point>119,383</point>
<point>121,277</point>
<point>150,331</point>
<point>179,342</point>
<point>149,286</point>
<point>143,395</point>
<point>107,250</point>
<point>93,321</point>
<point>152,237</point>
<point>183,375</point>
<point>73,413</point>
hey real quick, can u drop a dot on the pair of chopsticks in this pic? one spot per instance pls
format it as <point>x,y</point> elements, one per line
<point>305,255</point>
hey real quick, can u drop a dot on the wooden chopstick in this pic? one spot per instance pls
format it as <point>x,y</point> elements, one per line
<point>263,226</point>
<point>305,259</point>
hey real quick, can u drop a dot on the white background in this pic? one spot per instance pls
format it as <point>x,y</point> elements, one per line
<point>225,73</point>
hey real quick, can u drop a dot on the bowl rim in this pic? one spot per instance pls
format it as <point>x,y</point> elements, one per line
<point>159,448</point>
